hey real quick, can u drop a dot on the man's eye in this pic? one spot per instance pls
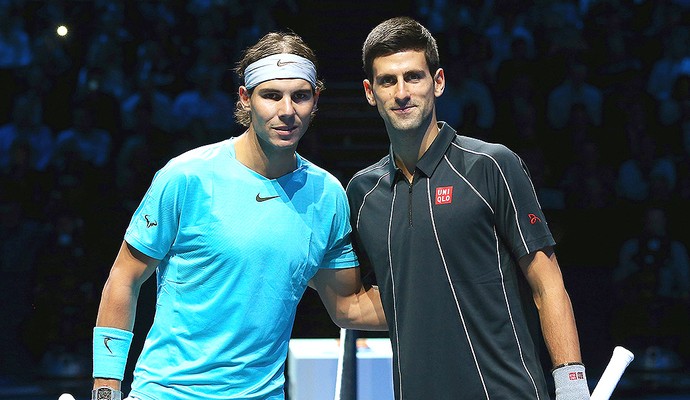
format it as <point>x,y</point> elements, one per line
<point>271,96</point>
<point>387,81</point>
<point>300,96</point>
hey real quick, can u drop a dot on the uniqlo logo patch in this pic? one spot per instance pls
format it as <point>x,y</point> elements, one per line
<point>573,376</point>
<point>444,195</point>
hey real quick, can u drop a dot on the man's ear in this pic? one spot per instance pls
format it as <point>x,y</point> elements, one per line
<point>369,92</point>
<point>244,96</point>
<point>439,82</point>
<point>317,93</point>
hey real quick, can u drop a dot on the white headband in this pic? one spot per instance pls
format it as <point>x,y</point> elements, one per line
<point>279,66</point>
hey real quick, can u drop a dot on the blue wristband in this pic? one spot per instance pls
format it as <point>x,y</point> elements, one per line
<point>110,350</point>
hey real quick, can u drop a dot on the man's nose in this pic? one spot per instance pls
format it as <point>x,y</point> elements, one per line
<point>401,91</point>
<point>287,108</point>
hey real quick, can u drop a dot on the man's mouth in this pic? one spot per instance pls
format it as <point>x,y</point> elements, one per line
<point>403,110</point>
<point>286,130</point>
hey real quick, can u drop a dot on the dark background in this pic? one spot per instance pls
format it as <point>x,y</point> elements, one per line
<point>62,224</point>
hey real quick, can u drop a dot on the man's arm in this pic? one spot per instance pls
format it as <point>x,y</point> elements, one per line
<point>553,303</point>
<point>350,304</point>
<point>557,323</point>
<point>120,293</point>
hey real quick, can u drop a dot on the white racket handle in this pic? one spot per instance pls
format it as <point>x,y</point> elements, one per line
<point>619,361</point>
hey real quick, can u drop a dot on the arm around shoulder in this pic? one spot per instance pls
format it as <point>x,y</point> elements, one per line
<point>350,303</point>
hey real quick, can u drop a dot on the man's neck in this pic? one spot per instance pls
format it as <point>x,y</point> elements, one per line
<point>250,152</point>
<point>409,147</point>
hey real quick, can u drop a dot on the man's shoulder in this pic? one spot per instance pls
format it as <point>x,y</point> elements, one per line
<point>372,173</point>
<point>482,148</point>
<point>478,155</point>
<point>194,161</point>
<point>203,153</point>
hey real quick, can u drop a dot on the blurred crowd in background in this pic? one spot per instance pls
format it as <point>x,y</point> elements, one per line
<point>593,95</point>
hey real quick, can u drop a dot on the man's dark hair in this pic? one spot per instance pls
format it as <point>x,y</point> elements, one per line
<point>395,35</point>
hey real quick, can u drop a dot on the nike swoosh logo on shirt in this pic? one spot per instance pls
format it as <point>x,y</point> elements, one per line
<point>260,199</point>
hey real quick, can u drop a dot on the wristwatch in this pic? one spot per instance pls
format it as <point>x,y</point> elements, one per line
<point>106,393</point>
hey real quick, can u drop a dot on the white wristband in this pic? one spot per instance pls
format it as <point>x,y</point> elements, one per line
<point>571,382</point>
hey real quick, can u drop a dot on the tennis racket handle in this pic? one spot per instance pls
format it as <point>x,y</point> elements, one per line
<point>619,361</point>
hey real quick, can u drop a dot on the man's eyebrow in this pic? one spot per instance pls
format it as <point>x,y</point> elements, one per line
<point>267,91</point>
<point>420,71</point>
<point>384,76</point>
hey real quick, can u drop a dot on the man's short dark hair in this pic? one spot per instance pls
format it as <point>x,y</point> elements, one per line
<point>395,35</point>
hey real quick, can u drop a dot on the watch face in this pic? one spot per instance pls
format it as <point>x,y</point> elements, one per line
<point>104,394</point>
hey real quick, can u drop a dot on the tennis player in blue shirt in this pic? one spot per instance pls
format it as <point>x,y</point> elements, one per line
<point>235,231</point>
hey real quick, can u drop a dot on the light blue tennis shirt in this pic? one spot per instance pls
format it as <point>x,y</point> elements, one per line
<point>237,251</point>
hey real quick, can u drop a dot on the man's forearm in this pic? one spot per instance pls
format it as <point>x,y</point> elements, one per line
<point>559,328</point>
<point>365,311</point>
<point>118,304</point>
<point>350,303</point>
<point>116,310</point>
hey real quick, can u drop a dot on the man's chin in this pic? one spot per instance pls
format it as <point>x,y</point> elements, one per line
<point>405,126</point>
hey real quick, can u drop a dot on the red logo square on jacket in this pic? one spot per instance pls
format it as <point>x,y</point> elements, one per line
<point>444,195</point>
